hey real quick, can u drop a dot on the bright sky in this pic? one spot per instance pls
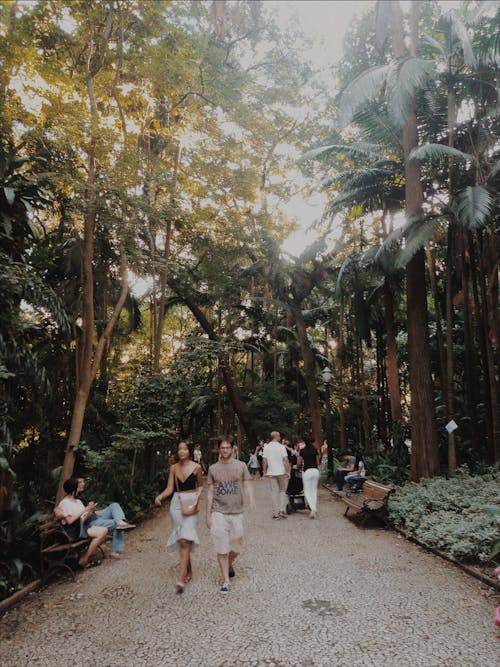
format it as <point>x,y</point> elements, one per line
<point>326,22</point>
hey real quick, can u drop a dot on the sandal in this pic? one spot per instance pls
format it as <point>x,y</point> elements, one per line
<point>179,588</point>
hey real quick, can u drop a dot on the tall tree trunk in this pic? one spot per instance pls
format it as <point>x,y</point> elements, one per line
<point>91,366</point>
<point>431,264</point>
<point>450,367</point>
<point>364,403</point>
<point>160,315</point>
<point>340,376</point>
<point>309,372</point>
<point>484,385</point>
<point>489,361</point>
<point>90,358</point>
<point>424,456</point>
<point>471,379</point>
<point>392,356</point>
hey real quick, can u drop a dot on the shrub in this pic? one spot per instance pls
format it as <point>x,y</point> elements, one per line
<point>459,515</point>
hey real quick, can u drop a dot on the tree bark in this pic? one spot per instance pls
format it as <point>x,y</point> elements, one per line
<point>392,371</point>
<point>310,379</point>
<point>424,455</point>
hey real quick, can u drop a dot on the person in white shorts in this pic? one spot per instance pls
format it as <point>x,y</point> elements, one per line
<point>227,480</point>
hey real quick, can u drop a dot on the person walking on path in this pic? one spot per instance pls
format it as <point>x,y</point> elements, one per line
<point>259,451</point>
<point>253,464</point>
<point>227,480</point>
<point>111,517</point>
<point>185,475</point>
<point>309,459</point>
<point>277,470</point>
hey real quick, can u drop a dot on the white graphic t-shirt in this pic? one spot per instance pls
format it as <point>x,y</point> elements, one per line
<point>227,479</point>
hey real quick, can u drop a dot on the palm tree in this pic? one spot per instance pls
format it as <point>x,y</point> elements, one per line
<point>400,79</point>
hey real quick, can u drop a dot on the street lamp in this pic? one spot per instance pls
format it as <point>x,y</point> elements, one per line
<point>327,378</point>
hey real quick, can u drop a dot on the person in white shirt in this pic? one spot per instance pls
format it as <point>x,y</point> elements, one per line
<point>276,468</point>
<point>75,515</point>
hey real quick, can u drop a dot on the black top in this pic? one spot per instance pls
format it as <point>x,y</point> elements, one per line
<point>190,484</point>
<point>309,457</point>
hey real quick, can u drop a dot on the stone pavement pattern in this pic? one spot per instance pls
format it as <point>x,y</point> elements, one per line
<point>306,594</point>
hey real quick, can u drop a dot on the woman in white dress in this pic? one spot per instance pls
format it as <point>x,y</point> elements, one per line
<point>185,475</point>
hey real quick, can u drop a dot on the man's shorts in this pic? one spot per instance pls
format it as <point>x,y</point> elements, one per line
<point>227,532</point>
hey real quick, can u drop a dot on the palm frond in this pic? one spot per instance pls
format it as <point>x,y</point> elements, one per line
<point>434,44</point>
<point>473,206</point>
<point>405,77</point>
<point>436,152</point>
<point>386,255</point>
<point>460,34</point>
<point>356,150</point>
<point>418,235</point>
<point>363,88</point>
<point>348,261</point>
<point>376,126</point>
<point>494,172</point>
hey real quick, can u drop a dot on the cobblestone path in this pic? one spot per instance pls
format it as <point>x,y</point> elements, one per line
<point>306,594</point>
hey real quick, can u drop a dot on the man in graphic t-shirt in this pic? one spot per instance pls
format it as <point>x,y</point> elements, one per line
<point>227,480</point>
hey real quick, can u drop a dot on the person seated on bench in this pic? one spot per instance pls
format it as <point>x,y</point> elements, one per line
<point>111,517</point>
<point>358,473</point>
<point>73,514</point>
<point>343,471</point>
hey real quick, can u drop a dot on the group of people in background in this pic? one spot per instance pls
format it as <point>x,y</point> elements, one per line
<point>277,460</point>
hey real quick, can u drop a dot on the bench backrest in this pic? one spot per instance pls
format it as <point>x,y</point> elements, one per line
<point>48,522</point>
<point>375,490</point>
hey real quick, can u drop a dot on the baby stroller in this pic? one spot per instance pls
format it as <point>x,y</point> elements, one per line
<point>295,492</point>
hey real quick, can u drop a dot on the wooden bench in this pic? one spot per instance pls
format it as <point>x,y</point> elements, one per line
<point>57,551</point>
<point>371,501</point>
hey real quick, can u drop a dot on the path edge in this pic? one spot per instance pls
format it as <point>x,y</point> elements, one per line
<point>484,578</point>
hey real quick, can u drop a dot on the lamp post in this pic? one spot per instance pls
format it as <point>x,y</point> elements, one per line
<point>327,378</point>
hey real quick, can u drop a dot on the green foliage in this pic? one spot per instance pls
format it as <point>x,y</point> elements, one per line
<point>19,550</point>
<point>269,409</point>
<point>452,514</point>
<point>391,467</point>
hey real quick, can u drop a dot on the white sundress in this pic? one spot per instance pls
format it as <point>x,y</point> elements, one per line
<point>183,527</point>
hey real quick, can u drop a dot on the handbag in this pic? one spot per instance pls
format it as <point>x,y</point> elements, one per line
<point>188,500</point>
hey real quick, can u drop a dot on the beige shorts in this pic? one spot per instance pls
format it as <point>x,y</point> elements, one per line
<point>227,532</point>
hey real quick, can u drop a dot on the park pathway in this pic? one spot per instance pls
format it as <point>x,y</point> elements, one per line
<point>306,594</point>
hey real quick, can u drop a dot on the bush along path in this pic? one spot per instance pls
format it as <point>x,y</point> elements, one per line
<point>315,593</point>
<point>458,516</point>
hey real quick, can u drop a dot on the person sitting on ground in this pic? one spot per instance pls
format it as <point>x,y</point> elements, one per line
<point>73,514</point>
<point>342,471</point>
<point>359,471</point>
<point>111,517</point>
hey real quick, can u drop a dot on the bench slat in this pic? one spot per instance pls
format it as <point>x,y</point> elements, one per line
<point>370,501</point>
